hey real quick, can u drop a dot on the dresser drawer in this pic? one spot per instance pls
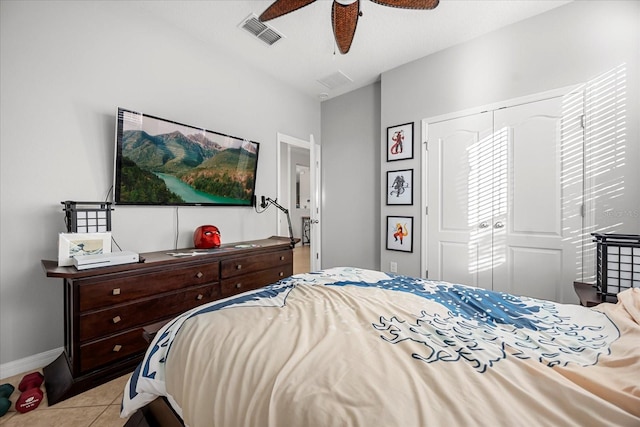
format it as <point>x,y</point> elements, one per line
<point>100,323</point>
<point>121,288</point>
<point>238,266</point>
<point>247,282</point>
<point>103,352</point>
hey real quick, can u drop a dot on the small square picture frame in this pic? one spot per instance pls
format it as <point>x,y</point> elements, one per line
<point>75,244</point>
<point>400,187</point>
<point>400,233</point>
<point>400,142</point>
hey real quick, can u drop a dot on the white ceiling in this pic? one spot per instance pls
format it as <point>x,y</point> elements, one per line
<point>385,37</point>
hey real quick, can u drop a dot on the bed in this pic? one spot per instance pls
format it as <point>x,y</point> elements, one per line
<point>355,347</point>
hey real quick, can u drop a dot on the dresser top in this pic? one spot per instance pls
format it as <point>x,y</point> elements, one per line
<point>169,256</point>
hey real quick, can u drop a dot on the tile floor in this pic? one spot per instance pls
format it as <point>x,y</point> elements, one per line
<point>98,407</point>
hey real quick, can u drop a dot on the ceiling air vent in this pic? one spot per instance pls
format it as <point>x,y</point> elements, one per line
<point>261,30</point>
<point>334,80</point>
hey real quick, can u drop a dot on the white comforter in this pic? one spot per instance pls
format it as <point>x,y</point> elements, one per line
<point>352,347</point>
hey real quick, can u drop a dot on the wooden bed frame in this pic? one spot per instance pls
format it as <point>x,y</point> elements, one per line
<point>156,414</point>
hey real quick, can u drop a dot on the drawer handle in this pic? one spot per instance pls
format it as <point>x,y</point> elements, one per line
<point>238,285</point>
<point>199,275</point>
<point>281,274</point>
<point>239,267</point>
<point>116,291</point>
<point>282,258</point>
<point>116,319</point>
<point>199,297</point>
<point>117,348</point>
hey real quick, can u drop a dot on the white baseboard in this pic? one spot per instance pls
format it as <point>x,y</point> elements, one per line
<point>29,363</point>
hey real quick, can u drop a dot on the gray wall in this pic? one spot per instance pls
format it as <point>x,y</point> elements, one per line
<point>351,179</point>
<point>66,67</point>
<point>566,46</point>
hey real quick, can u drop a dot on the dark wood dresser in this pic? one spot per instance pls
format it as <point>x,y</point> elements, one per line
<point>106,308</point>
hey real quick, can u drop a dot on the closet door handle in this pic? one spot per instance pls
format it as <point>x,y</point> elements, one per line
<point>484,224</point>
<point>498,224</point>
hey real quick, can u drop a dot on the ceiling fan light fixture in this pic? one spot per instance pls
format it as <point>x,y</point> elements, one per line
<point>344,20</point>
<point>409,4</point>
<point>344,14</point>
<point>282,7</point>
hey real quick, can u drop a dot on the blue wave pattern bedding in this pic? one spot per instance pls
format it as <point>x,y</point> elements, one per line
<point>478,319</point>
<point>434,331</point>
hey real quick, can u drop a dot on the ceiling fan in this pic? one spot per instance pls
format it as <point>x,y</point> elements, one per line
<point>344,14</point>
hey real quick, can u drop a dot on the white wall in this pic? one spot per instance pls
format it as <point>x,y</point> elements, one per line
<point>351,179</point>
<point>66,67</point>
<point>569,45</point>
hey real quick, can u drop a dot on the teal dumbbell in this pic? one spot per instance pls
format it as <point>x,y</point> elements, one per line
<point>5,393</point>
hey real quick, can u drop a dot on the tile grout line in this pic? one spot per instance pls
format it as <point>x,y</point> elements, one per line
<point>99,415</point>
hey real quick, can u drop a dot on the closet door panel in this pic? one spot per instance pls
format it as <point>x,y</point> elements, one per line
<point>455,196</point>
<point>534,165</point>
<point>459,231</point>
<point>457,261</point>
<point>529,237</point>
<point>527,278</point>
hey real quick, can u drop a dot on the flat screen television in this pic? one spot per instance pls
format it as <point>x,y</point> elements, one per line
<point>162,162</point>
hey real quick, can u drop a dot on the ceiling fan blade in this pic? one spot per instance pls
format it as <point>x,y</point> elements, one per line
<point>282,7</point>
<point>409,4</point>
<point>344,19</point>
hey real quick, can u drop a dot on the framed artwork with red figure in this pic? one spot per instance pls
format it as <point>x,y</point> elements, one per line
<point>400,142</point>
<point>400,233</point>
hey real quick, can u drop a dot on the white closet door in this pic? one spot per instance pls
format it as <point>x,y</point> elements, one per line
<point>460,213</point>
<point>532,250</point>
<point>504,197</point>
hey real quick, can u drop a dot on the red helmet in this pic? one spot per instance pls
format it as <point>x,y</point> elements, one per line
<point>206,237</point>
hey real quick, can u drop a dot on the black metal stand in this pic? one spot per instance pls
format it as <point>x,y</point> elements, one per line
<point>266,203</point>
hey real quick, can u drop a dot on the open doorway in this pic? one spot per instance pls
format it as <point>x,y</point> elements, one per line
<point>298,191</point>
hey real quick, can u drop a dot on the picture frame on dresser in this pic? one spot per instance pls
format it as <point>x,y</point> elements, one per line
<point>76,244</point>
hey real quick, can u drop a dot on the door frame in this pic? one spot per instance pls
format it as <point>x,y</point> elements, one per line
<point>456,115</point>
<point>284,144</point>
